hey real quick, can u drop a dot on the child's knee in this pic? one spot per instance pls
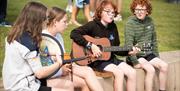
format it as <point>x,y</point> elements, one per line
<point>150,71</point>
<point>118,73</point>
<point>164,68</point>
<point>89,70</point>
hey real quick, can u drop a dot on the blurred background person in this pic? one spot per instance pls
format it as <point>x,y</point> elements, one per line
<point>69,6</point>
<point>80,4</point>
<point>3,7</point>
<point>118,4</point>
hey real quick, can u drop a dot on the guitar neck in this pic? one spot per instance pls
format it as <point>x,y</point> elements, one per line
<point>115,48</point>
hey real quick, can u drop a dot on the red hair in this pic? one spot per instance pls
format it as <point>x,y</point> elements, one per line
<point>101,7</point>
<point>142,3</point>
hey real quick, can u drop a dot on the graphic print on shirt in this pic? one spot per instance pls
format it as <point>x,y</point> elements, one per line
<point>111,37</point>
<point>46,59</point>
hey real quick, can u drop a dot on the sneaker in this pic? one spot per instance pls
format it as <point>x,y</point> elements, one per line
<point>118,18</point>
<point>69,8</point>
<point>75,23</point>
<point>91,14</point>
<point>5,24</point>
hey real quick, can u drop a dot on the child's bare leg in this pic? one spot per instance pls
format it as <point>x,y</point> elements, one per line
<point>163,68</point>
<point>74,16</point>
<point>60,83</point>
<point>87,12</point>
<point>88,74</point>
<point>80,83</point>
<point>150,71</point>
<point>118,76</point>
<point>131,76</point>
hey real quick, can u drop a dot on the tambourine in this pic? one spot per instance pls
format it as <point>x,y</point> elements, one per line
<point>49,47</point>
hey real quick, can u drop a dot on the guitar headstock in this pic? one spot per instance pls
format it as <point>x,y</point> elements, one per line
<point>146,47</point>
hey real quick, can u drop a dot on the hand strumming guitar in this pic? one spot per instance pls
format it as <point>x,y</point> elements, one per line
<point>95,50</point>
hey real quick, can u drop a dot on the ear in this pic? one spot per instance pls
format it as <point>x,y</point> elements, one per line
<point>55,23</point>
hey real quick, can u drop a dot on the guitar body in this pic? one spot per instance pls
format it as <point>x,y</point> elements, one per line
<point>80,51</point>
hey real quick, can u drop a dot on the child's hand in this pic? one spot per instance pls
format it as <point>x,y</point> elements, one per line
<point>96,51</point>
<point>134,51</point>
<point>58,59</point>
<point>66,69</point>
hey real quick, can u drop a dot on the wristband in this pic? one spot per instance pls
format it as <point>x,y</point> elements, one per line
<point>89,44</point>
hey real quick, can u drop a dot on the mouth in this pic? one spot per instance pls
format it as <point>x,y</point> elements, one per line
<point>111,17</point>
<point>139,15</point>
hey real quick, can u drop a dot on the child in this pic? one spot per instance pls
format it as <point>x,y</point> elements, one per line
<point>77,6</point>
<point>22,66</point>
<point>69,6</point>
<point>140,31</point>
<point>104,27</point>
<point>55,26</point>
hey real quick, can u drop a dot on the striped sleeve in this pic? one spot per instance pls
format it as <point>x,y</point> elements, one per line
<point>155,44</point>
<point>129,34</point>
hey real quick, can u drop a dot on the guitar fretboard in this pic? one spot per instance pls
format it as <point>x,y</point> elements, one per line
<point>115,48</point>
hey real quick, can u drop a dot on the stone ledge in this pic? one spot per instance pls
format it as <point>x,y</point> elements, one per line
<point>173,83</point>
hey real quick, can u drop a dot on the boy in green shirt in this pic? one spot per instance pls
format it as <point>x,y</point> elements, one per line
<point>140,31</point>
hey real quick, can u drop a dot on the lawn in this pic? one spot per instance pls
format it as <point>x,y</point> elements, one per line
<point>166,18</point>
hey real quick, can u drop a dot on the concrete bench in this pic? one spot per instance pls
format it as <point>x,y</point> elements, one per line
<point>173,81</point>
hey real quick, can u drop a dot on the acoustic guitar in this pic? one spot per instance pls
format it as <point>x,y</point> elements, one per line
<point>105,47</point>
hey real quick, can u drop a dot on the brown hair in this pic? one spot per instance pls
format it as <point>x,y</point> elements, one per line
<point>142,3</point>
<point>30,20</point>
<point>101,6</point>
<point>54,14</point>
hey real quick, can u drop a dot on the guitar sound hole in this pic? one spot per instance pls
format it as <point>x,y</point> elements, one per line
<point>100,47</point>
<point>89,61</point>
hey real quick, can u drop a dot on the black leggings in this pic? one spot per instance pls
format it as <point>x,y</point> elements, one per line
<point>43,86</point>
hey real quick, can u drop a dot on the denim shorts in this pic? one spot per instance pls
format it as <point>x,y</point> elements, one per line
<point>81,3</point>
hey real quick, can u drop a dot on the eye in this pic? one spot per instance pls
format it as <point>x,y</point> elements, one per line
<point>109,12</point>
<point>140,10</point>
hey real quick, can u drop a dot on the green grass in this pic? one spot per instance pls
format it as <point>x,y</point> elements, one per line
<point>166,18</point>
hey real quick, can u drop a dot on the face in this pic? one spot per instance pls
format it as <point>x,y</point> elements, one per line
<point>61,25</point>
<point>108,14</point>
<point>140,12</point>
